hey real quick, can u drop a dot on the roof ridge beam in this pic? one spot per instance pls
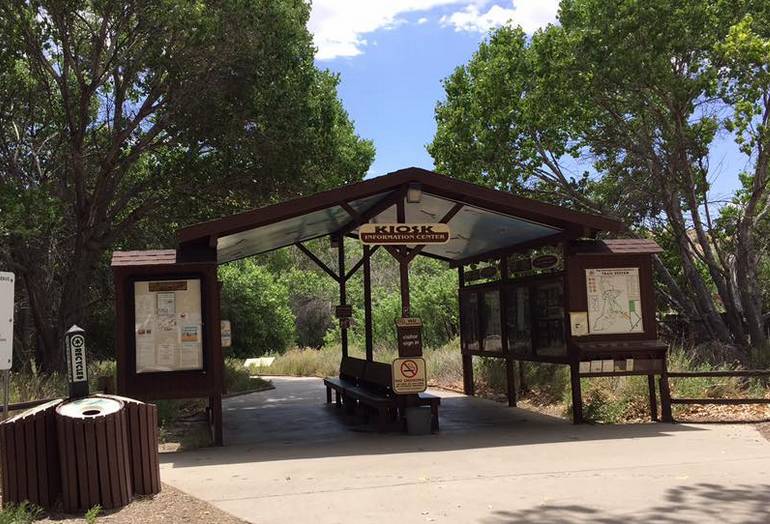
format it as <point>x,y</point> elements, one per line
<point>361,218</point>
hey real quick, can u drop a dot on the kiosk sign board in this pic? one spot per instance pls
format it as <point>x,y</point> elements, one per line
<point>402,234</point>
<point>6,320</point>
<point>409,376</point>
<point>409,335</point>
<point>168,327</point>
<point>614,301</point>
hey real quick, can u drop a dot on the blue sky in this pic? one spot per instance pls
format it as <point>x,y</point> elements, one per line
<point>393,54</point>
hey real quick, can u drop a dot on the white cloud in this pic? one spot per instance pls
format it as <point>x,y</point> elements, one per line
<point>339,26</point>
<point>529,14</point>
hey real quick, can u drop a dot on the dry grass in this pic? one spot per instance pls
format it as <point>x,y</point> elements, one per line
<point>546,387</point>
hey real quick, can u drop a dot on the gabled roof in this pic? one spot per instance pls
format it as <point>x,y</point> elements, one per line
<point>144,258</point>
<point>488,221</point>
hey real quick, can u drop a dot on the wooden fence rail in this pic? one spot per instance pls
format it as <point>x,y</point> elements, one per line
<point>727,373</point>
<point>25,405</point>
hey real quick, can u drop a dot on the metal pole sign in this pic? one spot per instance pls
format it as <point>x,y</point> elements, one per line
<point>6,320</point>
<point>77,372</point>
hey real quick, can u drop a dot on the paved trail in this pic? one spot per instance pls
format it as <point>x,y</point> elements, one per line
<point>290,458</point>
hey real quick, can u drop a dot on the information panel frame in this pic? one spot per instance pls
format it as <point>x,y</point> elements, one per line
<point>131,322</point>
<point>168,325</point>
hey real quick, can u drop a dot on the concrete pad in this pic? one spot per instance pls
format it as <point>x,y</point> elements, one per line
<point>291,458</point>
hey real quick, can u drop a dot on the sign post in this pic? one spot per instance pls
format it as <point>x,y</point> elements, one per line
<point>77,372</point>
<point>6,333</point>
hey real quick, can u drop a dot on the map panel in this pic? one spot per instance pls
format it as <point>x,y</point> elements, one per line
<point>614,302</point>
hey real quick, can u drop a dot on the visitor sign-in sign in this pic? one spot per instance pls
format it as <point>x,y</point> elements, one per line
<point>400,234</point>
<point>409,375</point>
<point>6,320</point>
<point>409,335</point>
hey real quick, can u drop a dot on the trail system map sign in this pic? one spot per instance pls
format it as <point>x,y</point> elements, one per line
<point>409,375</point>
<point>401,234</point>
<point>614,301</point>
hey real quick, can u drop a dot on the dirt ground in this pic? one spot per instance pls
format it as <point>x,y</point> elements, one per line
<point>170,506</point>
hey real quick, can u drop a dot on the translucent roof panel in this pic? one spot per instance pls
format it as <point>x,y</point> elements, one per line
<point>488,220</point>
<point>290,231</point>
<point>473,230</point>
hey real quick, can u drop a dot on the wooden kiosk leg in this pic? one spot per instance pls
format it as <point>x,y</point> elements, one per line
<point>577,395</point>
<point>665,397</point>
<point>468,375</point>
<point>215,410</point>
<point>653,398</point>
<point>510,381</point>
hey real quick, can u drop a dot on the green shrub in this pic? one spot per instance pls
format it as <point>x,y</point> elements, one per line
<point>24,513</point>
<point>238,377</point>
<point>257,306</point>
<point>92,514</point>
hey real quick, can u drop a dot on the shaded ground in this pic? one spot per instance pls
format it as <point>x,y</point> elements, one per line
<point>291,458</point>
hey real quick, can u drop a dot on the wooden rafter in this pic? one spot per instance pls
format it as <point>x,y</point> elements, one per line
<point>359,264</point>
<point>318,261</point>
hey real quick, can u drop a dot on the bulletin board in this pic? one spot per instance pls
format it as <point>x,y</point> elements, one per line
<point>168,325</point>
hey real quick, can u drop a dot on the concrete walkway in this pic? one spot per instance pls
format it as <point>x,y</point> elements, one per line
<point>290,458</point>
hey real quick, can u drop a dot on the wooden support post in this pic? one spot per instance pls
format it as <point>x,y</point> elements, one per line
<point>343,292</point>
<point>403,263</point>
<point>510,381</point>
<point>577,396</point>
<point>215,410</point>
<point>665,396</point>
<point>368,332</point>
<point>468,388</point>
<point>653,398</point>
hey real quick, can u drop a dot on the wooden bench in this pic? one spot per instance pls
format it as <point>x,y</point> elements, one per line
<point>370,384</point>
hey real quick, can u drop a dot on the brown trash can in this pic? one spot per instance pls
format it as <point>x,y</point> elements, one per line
<point>93,453</point>
<point>29,457</point>
<point>142,424</point>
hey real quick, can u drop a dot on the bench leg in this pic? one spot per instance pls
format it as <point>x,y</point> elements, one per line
<point>434,417</point>
<point>338,398</point>
<point>328,395</point>
<point>349,404</point>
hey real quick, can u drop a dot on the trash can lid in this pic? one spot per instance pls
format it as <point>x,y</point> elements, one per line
<point>89,407</point>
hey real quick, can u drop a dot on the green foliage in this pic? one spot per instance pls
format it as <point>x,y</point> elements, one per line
<point>311,296</point>
<point>92,514</point>
<point>122,121</point>
<point>256,303</point>
<point>238,377</point>
<point>24,513</point>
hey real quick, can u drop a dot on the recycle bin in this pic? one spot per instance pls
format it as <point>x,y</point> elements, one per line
<point>418,421</point>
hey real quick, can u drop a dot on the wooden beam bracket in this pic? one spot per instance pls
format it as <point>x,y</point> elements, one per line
<point>317,261</point>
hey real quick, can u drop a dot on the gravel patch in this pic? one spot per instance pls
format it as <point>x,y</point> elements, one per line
<point>170,506</point>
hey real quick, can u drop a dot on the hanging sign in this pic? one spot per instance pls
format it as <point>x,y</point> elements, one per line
<point>409,335</point>
<point>545,261</point>
<point>226,331</point>
<point>343,311</point>
<point>6,320</point>
<point>400,234</point>
<point>409,375</point>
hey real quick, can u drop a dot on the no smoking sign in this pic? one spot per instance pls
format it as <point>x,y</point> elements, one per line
<point>409,375</point>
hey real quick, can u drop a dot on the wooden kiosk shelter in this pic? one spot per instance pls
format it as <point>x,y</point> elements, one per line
<point>535,284</point>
